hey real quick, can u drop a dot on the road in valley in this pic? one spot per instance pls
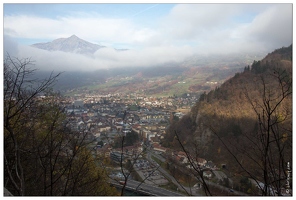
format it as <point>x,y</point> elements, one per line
<point>190,190</point>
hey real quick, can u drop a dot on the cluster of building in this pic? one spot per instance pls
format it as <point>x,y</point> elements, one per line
<point>170,103</point>
<point>99,114</point>
<point>105,117</point>
<point>108,117</point>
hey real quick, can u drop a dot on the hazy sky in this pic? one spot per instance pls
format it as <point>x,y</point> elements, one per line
<point>154,33</point>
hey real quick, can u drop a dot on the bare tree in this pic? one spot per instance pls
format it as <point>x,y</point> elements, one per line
<point>197,171</point>
<point>274,115</point>
<point>20,92</point>
<point>42,156</point>
<point>127,163</point>
<point>263,148</point>
<point>268,148</point>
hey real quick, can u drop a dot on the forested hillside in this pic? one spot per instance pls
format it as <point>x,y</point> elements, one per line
<point>246,123</point>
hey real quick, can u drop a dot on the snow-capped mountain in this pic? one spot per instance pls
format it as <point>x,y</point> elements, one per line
<point>72,44</point>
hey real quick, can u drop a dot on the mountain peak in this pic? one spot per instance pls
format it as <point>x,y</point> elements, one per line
<point>74,36</point>
<point>71,44</point>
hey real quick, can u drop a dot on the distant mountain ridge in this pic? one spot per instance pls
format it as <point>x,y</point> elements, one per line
<point>72,44</point>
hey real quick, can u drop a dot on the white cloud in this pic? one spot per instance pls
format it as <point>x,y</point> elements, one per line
<point>103,58</point>
<point>145,57</point>
<point>193,21</point>
<point>187,29</point>
<point>10,46</point>
<point>272,28</point>
<point>94,29</point>
<point>228,28</point>
<point>31,27</point>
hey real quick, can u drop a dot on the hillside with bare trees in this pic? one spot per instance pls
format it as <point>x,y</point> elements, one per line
<point>246,123</point>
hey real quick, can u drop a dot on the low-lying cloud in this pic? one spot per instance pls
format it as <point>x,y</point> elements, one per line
<point>104,58</point>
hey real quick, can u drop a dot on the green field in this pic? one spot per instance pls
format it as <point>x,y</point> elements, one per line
<point>160,86</point>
